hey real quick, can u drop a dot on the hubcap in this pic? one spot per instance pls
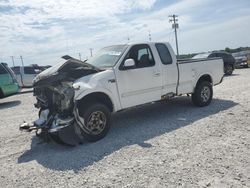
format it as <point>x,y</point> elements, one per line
<point>96,122</point>
<point>205,94</point>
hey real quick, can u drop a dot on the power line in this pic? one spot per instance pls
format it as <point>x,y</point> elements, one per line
<point>173,19</point>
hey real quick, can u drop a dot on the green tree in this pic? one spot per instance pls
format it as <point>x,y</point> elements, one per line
<point>227,49</point>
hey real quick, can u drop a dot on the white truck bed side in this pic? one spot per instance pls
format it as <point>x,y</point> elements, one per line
<point>190,71</point>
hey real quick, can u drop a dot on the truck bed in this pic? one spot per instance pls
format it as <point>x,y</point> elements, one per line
<point>190,71</point>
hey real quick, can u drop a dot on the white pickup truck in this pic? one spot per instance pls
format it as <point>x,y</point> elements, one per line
<point>82,95</point>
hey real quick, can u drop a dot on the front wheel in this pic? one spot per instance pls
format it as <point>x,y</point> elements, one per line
<point>96,123</point>
<point>203,94</point>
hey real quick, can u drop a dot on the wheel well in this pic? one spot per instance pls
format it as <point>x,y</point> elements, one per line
<point>98,97</point>
<point>205,77</point>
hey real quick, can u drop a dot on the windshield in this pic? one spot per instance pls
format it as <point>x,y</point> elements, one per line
<point>108,56</point>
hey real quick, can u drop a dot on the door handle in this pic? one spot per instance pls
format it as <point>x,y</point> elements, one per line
<point>157,74</point>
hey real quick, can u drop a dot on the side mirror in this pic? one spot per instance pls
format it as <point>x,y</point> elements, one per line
<point>129,63</point>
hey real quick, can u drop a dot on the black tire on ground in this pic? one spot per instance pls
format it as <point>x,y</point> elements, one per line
<point>203,94</point>
<point>229,70</point>
<point>246,66</point>
<point>97,118</point>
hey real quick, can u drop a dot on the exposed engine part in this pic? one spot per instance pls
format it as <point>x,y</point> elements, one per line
<point>59,98</point>
<point>63,97</point>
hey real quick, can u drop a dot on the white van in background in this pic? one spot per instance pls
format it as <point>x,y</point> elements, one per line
<point>26,74</point>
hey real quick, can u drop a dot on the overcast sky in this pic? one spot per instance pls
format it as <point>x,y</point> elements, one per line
<point>44,30</point>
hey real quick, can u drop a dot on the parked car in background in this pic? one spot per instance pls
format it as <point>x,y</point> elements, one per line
<point>228,59</point>
<point>25,75</point>
<point>241,61</point>
<point>8,83</point>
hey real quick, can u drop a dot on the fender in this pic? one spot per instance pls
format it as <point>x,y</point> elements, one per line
<point>99,82</point>
<point>199,76</point>
<point>115,101</point>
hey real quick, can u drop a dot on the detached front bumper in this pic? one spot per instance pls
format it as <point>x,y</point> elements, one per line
<point>49,123</point>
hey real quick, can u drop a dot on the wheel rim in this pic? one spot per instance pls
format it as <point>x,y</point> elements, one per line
<point>229,69</point>
<point>96,122</point>
<point>205,94</point>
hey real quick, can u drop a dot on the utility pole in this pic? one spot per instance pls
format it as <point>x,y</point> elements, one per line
<point>173,19</point>
<point>149,36</point>
<point>12,57</point>
<point>80,56</point>
<point>21,57</point>
<point>91,52</point>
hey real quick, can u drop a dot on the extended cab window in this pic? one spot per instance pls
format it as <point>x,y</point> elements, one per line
<point>164,54</point>
<point>2,70</point>
<point>142,56</point>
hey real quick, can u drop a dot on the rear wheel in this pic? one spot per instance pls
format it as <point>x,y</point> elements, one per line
<point>96,123</point>
<point>229,69</point>
<point>203,94</point>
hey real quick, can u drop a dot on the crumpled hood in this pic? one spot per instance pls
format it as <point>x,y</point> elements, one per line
<point>68,68</point>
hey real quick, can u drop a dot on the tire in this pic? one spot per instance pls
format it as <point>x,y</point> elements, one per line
<point>229,70</point>
<point>97,119</point>
<point>246,66</point>
<point>203,94</point>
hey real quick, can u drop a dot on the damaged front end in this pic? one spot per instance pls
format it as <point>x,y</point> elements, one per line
<point>53,89</point>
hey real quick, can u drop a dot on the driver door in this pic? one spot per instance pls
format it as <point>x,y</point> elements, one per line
<point>141,83</point>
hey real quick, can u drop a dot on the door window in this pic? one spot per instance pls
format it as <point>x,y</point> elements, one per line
<point>142,56</point>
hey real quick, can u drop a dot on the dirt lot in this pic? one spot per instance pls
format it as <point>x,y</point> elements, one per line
<point>171,144</point>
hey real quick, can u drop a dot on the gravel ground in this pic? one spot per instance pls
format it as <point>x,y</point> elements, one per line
<point>172,144</point>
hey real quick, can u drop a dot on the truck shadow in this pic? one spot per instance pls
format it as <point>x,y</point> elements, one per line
<point>9,104</point>
<point>134,126</point>
<point>231,75</point>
